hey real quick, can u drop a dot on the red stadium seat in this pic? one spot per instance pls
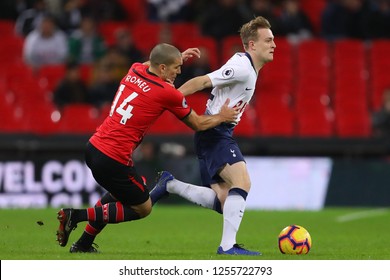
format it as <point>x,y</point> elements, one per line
<point>314,116</point>
<point>50,75</point>
<point>276,123</point>
<point>183,31</point>
<point>275,117</point>
<point>377,94</point>
<point>314,124</point>
<point>136,9</point>
<point>352,121</point>
<point>314,10</point>
<point>108,28</point>
<point>311,95</point>
<point>281,68</point>
<point>7,28</point>
<point>247,127</point>
<point>79,119</point>
<point>12,76</point>
<point>349,55</point>
<point>11,51</point>
<point>168,124</point>
<point>313,59</point>
<point>42,119</point>
<point>350,74</point>
<point>197,102</point>
<point>231,45</point>
<point>12,119</point>
<point>202,42</point>
<point>349,95</point>
<point>146,35</point>
<point>350,126</point>
<point>379,62</point>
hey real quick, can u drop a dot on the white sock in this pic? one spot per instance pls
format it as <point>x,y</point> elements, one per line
<point>233,211</point>
<point>199,195</point>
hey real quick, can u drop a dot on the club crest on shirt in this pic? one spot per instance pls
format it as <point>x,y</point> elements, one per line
<point>228,73</point>
<point>184,103</point>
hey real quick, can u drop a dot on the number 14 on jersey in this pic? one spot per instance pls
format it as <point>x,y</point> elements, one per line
<point>125,108</point>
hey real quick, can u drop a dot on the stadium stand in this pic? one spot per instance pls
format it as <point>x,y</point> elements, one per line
<point>50,75</point>
<point>108,28</point>
<point>314,9</point>
<point>316,88</point>
<point>146,35</point>
<point>379,65</point>
<point>79,119</point>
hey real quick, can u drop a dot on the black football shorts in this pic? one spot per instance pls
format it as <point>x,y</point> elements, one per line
<point>120,180</point>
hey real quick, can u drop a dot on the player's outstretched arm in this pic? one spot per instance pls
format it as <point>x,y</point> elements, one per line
<point>195,84</point>
<point>204,122</point>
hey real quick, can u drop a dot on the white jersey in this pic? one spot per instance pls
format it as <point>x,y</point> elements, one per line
<point>235,80</point>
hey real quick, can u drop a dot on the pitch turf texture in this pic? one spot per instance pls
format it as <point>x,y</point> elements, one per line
<point>193,233</point>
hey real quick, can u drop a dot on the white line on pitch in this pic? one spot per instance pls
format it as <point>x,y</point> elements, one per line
<point>362,215</point>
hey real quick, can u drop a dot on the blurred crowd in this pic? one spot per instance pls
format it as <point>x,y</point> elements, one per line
<point>67,32</point>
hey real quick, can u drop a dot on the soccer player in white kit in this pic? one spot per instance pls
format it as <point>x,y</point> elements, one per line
<point>224,174</point>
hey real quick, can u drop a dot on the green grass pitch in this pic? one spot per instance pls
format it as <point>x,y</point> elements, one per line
<point>186,232</point>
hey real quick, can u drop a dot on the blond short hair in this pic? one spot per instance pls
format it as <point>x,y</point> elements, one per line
<point>248,32</point>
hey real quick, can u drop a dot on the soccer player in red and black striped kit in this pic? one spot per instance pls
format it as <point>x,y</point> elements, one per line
<point>143,95</point>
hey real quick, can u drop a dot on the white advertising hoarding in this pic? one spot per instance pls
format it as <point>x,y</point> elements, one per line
<point>280,183</point>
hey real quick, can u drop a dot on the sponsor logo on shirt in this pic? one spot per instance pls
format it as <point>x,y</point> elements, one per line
<point>184,103</point>
<point>228,73</point>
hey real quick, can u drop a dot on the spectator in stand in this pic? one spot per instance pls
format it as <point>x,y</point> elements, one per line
<point>30,19</point>
<point>169,10</point>
<point>346,19</point>
<point>262,8</point>
<point>71,17</point>
<point>105,10</point>
<point>86,45</point>
<point>381,118</point>
<point>71,89</point>
<point>293,22</point>
<point>107,74</point>
<point>222,18</point>
<point>45,45</point>
<point>379,21</point>
<point>124,44</point>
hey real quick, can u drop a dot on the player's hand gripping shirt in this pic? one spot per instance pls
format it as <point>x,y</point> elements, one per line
<point>141,98</point>
<point>235,80</point>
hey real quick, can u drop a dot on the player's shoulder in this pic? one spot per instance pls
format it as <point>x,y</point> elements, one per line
<point>139,66</point>
<point>238,56</point>
<point>239,59</point>
<point>141,71</point>
<point>238,64</point>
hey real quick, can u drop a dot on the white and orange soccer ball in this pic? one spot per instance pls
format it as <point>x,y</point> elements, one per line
<point>294,240</point>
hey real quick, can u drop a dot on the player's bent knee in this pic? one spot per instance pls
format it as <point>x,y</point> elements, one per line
<point>145,213</point>
<point>245,185</point>
<point>143,209</point>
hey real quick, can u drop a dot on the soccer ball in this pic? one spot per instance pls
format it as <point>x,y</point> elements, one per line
<point>294,240</point>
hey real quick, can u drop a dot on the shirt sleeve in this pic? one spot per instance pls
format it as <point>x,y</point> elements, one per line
<point>228,74</point>
<point>177,104</point>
